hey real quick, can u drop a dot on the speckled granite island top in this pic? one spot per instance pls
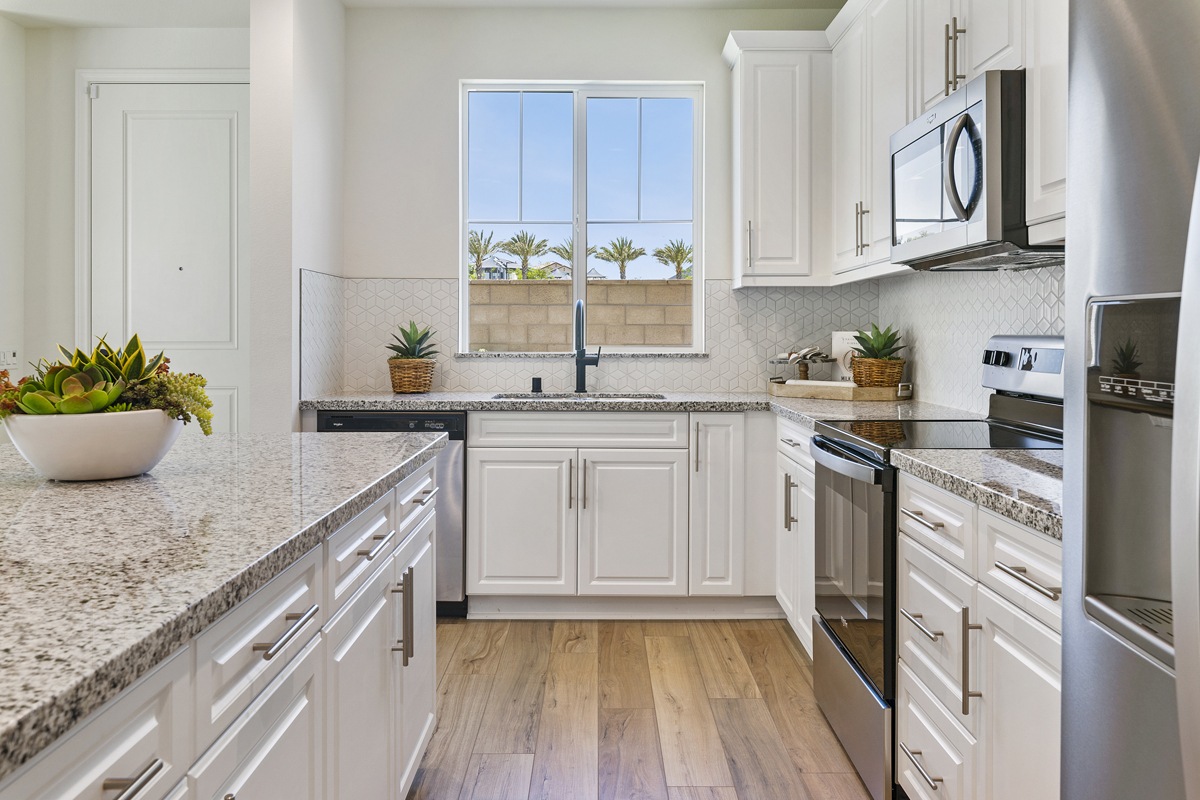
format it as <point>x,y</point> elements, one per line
<point>99,582</point>
<point>1024,485</point>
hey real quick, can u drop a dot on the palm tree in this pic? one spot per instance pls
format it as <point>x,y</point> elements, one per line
<point>620,251</point>
<point>479,249</point>
<point>566,250</point>
<point>675,254</point>
<point>524,245</point>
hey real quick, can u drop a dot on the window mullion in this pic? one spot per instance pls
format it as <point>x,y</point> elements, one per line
<point>579,258</point>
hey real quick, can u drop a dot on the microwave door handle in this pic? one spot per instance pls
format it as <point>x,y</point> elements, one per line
<point>844,463</point>
<point>956,203</point>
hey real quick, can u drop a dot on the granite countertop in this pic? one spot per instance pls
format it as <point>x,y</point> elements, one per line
<point>1024,485</point>
<point>99,582</point>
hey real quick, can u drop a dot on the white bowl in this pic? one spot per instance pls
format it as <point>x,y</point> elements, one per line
<point>93,447</point>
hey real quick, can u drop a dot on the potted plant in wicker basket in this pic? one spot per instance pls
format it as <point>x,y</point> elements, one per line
<point>874,362</point>
<point>411,367</point>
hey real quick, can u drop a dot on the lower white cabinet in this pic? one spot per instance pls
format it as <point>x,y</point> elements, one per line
<point>935,757</point>
<point>414,667</point>
<point>276,748</point>
<point>717,522</point>
<point>796,509</point>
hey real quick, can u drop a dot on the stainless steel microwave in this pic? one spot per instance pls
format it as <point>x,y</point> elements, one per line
<point>958,182</point>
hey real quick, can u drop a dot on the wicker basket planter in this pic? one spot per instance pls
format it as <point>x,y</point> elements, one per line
<point>879,372</point>
<point>411,375</point>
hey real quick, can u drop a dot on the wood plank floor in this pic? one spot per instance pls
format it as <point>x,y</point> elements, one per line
<point>627,710</point>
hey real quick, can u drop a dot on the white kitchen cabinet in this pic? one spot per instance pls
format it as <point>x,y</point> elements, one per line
<point>787,546</point>
<point>143,734</point>
<point>888,110</point>
<point>931,51</point>
<point>522,520</point>
<point>717,522</point>
<point>1045,116</point>
<point>633,522</point>
<point>995,37</point>
<point>930,745</point>
<point>1020,677</point>
<point>849,133</point>
<point>990,35</point>
<point>358,669</point>
<point>806,515</point>
<point>276,747</point>
<point>780,170</point>
<point>414,628</point>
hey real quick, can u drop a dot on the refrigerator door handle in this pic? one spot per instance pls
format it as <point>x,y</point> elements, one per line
<point>1185,517</point>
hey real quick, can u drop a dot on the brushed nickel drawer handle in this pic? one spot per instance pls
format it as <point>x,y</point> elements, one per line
<point>429,494</point>
<point>967,627</point>
<point>382,539</point>
<point>788,519</point>
<point>792,442</point>
<point>915,619</point>
<point>919,518</point>
<point>912,756</point>
<point>405,644</point>
<point>132,787</point>
<point>272,649</point>
<point>1019,574</point>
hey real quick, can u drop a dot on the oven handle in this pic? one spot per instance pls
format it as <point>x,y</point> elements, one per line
<point>844,462</point>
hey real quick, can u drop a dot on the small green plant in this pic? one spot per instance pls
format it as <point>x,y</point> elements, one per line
<point>412,343</point>
<point>1126,361</point>
<point>878,344</point>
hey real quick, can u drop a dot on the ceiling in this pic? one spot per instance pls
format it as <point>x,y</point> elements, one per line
<point>236,13</point>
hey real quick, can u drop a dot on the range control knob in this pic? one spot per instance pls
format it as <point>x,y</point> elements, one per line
<point>1003,358</point>
<point>989,356</point>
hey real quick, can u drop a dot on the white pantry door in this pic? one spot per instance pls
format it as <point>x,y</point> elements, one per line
<point>169,191</point>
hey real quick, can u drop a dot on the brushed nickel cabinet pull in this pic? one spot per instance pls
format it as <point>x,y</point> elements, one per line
<point>919,518</point>
<point>954,54</point>
<point>912,756</point>
<point>401,587</point>
<point>915,619</point>
<point>862,233</point>
<point>697,447</point>
<point>749,245</point>
<point>1019,573</point>
<point>272,649</point>
<point>585,483</point>
<point>132,787</point>
<point>571,483</point>
<point>946,47</point>
<point>967,627</point>
<point>429,494</point>
<point>382,539</point>
<point>788,519</point>
<point>857,230</point>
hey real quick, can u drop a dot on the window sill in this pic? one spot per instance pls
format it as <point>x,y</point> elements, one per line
<point>569,355</point>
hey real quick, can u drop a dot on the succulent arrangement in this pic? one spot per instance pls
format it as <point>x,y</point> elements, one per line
<point>107,380</point>
<point>412,343</point>
<point>878,344</point>
<point>1126,361</point>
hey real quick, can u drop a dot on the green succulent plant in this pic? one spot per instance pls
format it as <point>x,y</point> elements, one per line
<point>1126,361</point>
<point>83,384</point>
<point>878,344</point>
<point>412,343</point>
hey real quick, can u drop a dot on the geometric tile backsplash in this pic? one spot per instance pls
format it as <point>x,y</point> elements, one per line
<point>946,319</point>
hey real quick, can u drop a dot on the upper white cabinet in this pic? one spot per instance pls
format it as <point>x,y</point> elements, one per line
<point>956,40</point>
<point>781,106</point>
<point>888,65</point>
<point>1046,118</point>
<point>849,133</point>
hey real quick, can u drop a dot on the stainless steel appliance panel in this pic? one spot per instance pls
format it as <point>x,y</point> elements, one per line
<point>1134,122</point>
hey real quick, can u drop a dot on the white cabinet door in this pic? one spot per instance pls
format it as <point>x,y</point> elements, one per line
<point>787,560</point>
<point>1046,110</point>
<point>276,748</point>
<point>805,505</point>
<point>416,680</point>
<point>773,133</point>
<point>633,525</point>
<point>931,51</point>
<point>522,512</point>
<point>358,700</point>
<point>995,36</point>
<point>849,57</point>
<point>887,112</point>
<point>1020,676</point>
<point>717,521</point>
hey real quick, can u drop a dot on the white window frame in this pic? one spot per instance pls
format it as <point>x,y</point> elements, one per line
<point>582,91</point>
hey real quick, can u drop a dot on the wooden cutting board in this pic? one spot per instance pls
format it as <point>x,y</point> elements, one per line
<point>834,390</point>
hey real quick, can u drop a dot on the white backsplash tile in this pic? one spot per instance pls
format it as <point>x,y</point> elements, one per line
<point>322,333</point>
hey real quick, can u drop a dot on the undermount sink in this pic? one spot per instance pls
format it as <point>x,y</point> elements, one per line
<point>577,396</point>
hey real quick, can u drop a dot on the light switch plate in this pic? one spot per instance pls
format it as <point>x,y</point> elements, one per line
<point>8,358</point>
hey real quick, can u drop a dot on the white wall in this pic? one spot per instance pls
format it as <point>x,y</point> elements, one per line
<point>51,57</point>
<point>402,118</point>
<point>12,190</point>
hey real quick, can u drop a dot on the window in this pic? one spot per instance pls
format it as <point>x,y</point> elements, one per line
<point>600,174</point>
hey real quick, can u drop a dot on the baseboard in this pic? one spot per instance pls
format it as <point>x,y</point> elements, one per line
<point>573,607</point>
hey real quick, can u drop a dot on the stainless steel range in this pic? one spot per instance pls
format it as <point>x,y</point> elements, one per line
<point>854,629</point>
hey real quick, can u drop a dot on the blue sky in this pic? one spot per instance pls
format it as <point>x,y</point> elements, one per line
<point>519,170</point>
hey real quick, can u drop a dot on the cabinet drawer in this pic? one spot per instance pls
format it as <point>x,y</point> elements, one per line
<point>1006,547</point>
<point>935,743</point>
<point>415,500</point>
<point>793,442</point>
<point>943,522</point>
<point>275,748</point>
<point>576,429</point>
<point>143,734</point>
<point>934,594</point>
<point>355,550</point>
<point>229,671</point>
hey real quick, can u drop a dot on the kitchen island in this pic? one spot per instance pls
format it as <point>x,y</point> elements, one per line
<point>102,582</point>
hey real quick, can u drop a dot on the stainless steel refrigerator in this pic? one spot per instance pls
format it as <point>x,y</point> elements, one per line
<point>1132,399</point>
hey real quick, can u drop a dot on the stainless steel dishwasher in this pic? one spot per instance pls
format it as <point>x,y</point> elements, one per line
<point>451,476</point>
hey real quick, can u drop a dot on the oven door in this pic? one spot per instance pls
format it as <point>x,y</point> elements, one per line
<point>856,558</point>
